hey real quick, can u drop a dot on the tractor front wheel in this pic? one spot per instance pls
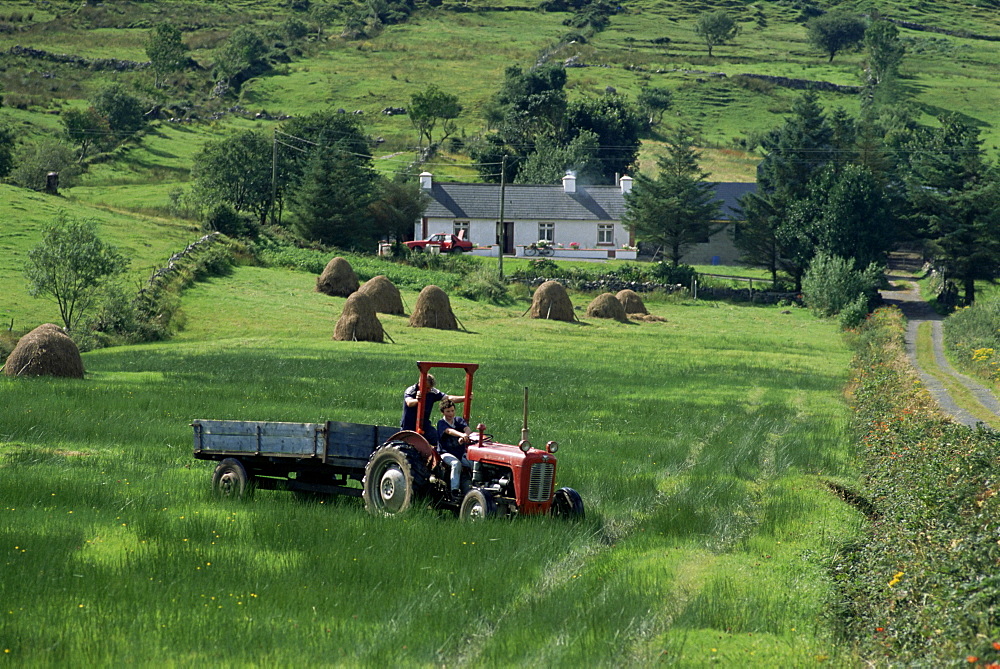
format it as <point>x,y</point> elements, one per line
<point>230,480</point>
<point>477,505</point>
<point>567,504</point>
<point>394,479</point>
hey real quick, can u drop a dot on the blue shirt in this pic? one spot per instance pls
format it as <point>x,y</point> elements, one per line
<point>409,419</point>
<point>448,443</point>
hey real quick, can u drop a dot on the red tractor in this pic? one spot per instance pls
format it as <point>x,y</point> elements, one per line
<point>505,480</point>
<point>397,469</point>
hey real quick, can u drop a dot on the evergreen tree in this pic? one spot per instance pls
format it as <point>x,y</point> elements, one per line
<point>774,232</point>
<point>678,208</point>
<point>954,194</point>
<point>332,203</point>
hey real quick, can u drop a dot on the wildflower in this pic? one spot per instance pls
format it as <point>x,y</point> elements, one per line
<point>972,659</point>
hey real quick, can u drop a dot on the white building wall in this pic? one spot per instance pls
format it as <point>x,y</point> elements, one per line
<point>482,232</point>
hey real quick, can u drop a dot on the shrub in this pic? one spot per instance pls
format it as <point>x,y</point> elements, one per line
<point>223,218</point>
<point>34,160</point>
<point>483,284</point>
<point>831,283</point>
<point>667,273</point>
<point>854,314</point>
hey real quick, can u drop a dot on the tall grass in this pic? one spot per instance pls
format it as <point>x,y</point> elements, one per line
<point>699,446</point>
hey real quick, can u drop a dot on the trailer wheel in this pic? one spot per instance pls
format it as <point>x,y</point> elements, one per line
<point>231,481</point>
<point>477,505</point>
<point>567,504</point>
<point>394,479</point>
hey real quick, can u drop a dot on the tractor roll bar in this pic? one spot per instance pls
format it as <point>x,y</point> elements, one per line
<point>424,367</point>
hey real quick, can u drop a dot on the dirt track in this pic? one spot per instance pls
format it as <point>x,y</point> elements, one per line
<point>906,296</point>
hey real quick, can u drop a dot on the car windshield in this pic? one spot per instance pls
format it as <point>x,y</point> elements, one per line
<point>437,238</point>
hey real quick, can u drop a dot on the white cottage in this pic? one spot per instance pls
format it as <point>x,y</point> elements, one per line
<point>570,214</point>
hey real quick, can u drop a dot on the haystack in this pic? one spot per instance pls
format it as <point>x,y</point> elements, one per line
<point>384,295</point>
<point>551,301</point>
<point>607,305</point>
<point>433,310</point>
<point>631,301</point>
<point>648,318</point>
<point>338,279</point>
<point>358,321</point>
<point>45,351</point>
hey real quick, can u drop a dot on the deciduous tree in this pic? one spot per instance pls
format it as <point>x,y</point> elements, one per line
<point>125,112</point>
<point>70,264</point>
<point>166,51</point>
<point>835,31</point>
<point>86,128</point>
<point>237,171</point>
<point>429,107</point>
<point>716,28</point>
<point>655,101</point>
<point>883,52</point>
<point>244,48</point>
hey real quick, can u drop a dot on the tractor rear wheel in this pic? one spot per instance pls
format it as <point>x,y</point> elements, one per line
<point>567,504</point>
<point>478,505</point>
<point>230,480</point>
<point>395,478</point>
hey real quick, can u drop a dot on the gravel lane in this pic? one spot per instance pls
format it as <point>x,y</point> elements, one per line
<point>906,296</point>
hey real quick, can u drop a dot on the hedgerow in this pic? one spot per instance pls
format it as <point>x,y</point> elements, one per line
<point>973,335</point>
<point>922,588</point>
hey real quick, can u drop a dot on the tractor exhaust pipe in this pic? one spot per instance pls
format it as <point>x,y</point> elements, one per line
<point>524,425</point>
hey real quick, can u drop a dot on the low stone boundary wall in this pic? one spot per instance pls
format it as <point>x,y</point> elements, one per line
<point>113,64</point>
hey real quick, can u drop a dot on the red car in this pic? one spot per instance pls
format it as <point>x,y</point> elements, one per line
<point>448,243</point>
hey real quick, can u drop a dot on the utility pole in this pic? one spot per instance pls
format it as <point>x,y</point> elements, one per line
<point>503,185</point>
<point>274,175</point>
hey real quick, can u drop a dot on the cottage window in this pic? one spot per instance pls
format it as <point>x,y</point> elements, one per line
<point>547,232</point>
<point>462,229</point>
<point>606,233</point>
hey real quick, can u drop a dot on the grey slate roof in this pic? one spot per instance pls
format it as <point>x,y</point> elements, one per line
<point>536,202</point>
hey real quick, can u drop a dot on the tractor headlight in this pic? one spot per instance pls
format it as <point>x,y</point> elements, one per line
<point>552,446</point>
<point>524,445</point>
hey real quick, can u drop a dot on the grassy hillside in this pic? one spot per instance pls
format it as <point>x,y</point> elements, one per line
<point>147,240</point>
<point>465,53</point>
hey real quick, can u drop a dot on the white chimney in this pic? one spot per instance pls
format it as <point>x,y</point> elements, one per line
<point>426,180</point>
<point>626,183</point>
<point>569,182</point>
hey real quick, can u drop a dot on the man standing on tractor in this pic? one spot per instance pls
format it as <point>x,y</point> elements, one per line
<point>411,398</point>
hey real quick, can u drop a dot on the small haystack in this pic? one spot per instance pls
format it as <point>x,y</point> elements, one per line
<point>384,295</point>
<point>358,321</point>
<point>648,318</point>
<point>551,301</point>
<point>606,305</point>
<point>631,301</point>
<point>338,279</point>
<point>433,310</point>
<point>45,351</point>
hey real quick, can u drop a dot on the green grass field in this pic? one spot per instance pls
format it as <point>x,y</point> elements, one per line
<point>700,445</point>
